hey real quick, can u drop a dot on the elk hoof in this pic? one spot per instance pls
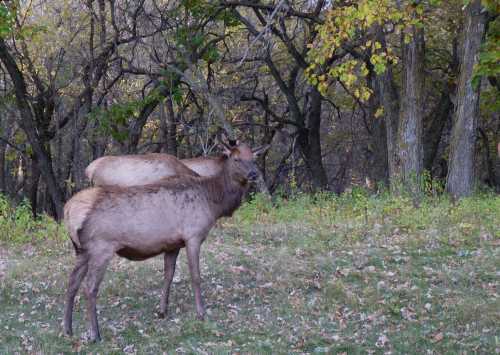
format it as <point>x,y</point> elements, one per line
<point>161,315</point>
<point>200,316</point>
<point>95,339</point>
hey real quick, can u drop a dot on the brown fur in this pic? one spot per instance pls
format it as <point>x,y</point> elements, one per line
<point>130,170</point>
<point>143,221</point>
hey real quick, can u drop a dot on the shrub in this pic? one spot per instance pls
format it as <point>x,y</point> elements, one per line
<point>17,224</point>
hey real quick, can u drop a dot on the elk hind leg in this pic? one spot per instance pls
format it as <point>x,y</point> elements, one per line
<point>97,268</point>
<point>75,280</point>
<point>170,259</point>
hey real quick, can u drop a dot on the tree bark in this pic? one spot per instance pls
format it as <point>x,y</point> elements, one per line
<point>378,157</point>
<point>3,184</point>
<point>310,141</point>
<point>33,188</point>
<point>410,145</point>
<point>434,129</point>
<point>388,97</point>
<point>460,179</point>
<point>171,126</point>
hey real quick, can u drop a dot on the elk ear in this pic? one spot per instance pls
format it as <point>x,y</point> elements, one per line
<point>222,142</point>
<point>258,151</point>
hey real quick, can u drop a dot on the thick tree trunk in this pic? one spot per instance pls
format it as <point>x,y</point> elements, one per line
<point>410,145</point>
<point>379,168</point>
<point>310,142</point>
<point>434,129</point>
<point>460,179</point>
<point>388,97</point>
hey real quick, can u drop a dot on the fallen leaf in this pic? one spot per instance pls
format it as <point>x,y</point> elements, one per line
<point>438,337</point>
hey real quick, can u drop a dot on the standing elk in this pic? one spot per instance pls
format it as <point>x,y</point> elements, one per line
<point>140,222</point>
<point>131,170</point>
<point>142,169</point>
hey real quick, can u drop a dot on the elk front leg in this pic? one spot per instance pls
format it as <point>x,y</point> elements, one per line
<point>193,255</point>
<point>170,259</point>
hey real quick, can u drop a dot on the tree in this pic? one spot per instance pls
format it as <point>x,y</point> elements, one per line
<point>410,149</point>
<point>460,179</point>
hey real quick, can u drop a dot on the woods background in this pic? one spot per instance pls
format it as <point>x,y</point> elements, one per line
<point>402,94</point>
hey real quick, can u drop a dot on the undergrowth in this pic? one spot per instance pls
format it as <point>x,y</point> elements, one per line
<point>18,226</point>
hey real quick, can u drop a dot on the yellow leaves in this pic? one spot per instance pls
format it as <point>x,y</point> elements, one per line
<point>364,70</point>
<point>362,93</point>
<point>346,25</point>
<point>323,87</point>
<point>366,93</point>
<point>379,112</point>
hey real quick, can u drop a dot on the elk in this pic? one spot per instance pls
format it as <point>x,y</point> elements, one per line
<point>130,170</point>
<point>142,169</point>
<point>140,222</point>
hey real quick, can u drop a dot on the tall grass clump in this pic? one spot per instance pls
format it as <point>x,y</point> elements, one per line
<point>17,224</point>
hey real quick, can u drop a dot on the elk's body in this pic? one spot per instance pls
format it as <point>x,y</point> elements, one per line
<point>130,170</point>
<point>204,166</point>
<point>143,221</point>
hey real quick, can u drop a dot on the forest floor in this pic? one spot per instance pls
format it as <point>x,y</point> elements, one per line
<point>348,275</point>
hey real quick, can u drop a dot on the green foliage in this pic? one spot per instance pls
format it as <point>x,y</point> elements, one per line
<point>489,58</point>
<point>193,36</point>
<point>114,120</point>
<point>7,18</point>
<point>357,208</point>
<point>345,25</point>
<point>8,13</point>
<point>17,224</point>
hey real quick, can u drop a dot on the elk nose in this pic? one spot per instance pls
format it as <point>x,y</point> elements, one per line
<point>252,175</point>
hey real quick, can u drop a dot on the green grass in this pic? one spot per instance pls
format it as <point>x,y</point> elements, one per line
<point>324,274</point>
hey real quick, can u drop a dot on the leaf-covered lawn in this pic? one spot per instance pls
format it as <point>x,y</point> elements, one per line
<point>310,276</point>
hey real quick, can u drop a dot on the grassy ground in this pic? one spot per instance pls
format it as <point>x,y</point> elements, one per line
<point>348,275</point>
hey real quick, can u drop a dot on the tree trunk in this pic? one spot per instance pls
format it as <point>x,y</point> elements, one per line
<point>171,127</point>
<point>460,177</point>
<point>33,188</point>
<point>378,158</point>
<point>388,97</point>
<point>410,145</point>
<point>434,129</point>
<point>496,153</point>
<point>310,142</point>
<point>3,183</point>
